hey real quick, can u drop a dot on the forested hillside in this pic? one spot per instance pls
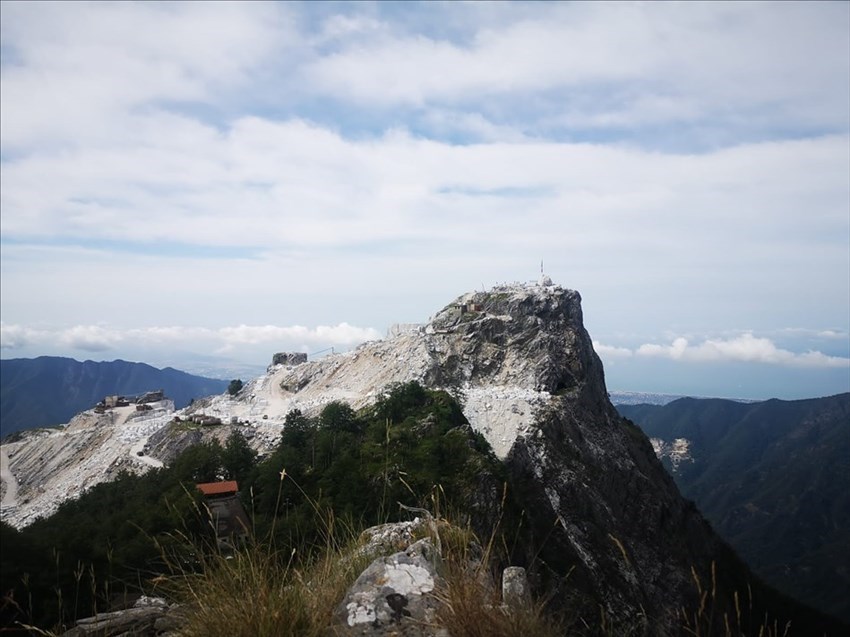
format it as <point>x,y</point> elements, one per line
<point>774,479</point>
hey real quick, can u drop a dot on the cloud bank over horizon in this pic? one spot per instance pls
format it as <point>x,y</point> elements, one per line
<point>745,348</point>
<point>98,338</point>
<point>250,346</point>
<point>219,341</point>
<point>249,168</point>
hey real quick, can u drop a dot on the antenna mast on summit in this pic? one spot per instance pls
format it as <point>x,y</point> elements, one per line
<point>544,280</point>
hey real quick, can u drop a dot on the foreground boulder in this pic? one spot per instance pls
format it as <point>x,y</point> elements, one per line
<point>419,590</point>
<point>394,596</point>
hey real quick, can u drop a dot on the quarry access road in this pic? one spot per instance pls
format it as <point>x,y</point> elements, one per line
<point>137,452</point>
<point>10,496</point>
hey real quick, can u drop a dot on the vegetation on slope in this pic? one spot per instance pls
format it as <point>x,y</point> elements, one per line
<point>774,479</point>
<point>354,467</point>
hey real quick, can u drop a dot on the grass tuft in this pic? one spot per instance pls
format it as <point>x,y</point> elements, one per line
<point>701,622</point>
<point>471,606</point>
<point>257,592</point>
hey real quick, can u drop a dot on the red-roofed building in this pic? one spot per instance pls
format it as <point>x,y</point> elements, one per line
<point>228,515</point>
<point>225,487</point>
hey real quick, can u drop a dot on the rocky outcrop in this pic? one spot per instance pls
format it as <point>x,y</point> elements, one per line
<point>405,590</point>
<point>598,504</point>
<point>516,592</point>
<point>675,453</point>
<point>393,596</point>
<point>289,359</point>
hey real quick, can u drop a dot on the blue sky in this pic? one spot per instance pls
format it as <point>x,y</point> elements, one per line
<point>203,184</point>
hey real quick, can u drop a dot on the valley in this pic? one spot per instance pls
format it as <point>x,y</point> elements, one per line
<point>773,478</point>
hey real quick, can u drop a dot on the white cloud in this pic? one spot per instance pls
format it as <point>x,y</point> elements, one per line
<point>744,348</point>
<point>833,334</point>
<point>342,334</point>
<point>450,123</point>
<point>348,28</point>
<point>611,351</point>
<point>325,215</point>
<point>90,338</point>
<point>829,334</point>
<point>98,338</point>
<point>305,185</point>
<point>77,72</point>
<point>660,63</point>
<point>528,55</point>
<point>17,336</point>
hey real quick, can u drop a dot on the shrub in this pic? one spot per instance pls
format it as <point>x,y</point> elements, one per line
<point>234,387</point>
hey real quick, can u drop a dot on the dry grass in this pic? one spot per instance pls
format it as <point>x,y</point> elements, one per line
<point>470,606</point>
<point>470,599</point>
<point>256,592</point>
<point>707,621</point>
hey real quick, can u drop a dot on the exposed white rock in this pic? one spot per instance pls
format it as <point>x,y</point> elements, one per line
<point>392,593</point>
<point>678,451</point>
<point>500,403</point>
<point>53,465</point>
<point>10,484</point>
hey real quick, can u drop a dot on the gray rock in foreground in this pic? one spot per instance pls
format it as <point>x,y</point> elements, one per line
<point>394,596</point>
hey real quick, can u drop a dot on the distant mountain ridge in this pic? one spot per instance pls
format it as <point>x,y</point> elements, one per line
<point>773,478</point>
<point>50,390</point>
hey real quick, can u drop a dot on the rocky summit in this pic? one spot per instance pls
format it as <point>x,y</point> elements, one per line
<point>506,353</point>
<point>607,535</point>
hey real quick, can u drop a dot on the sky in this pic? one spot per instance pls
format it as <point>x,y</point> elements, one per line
<point>204,184</point>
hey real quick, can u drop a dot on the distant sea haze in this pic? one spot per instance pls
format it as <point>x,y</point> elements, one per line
<point>649,398</point>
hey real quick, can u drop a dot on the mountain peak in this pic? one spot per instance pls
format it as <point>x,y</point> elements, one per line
<point>529,336</point>
<point>506,351</point>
